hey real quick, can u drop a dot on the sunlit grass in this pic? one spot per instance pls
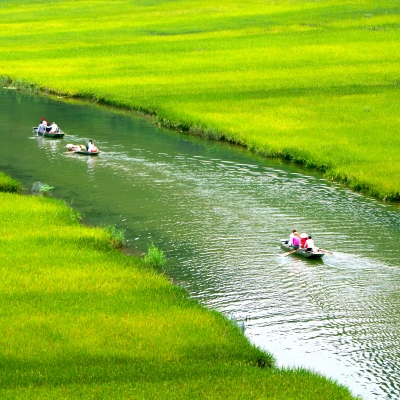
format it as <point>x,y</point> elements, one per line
<point>154,258</point>
<point>79,319</point>
<point>316,82</point>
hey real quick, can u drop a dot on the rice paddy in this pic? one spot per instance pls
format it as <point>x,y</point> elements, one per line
<point>316,82</point>
<point>82,320</point>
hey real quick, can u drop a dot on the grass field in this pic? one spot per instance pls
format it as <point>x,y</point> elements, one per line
<point>81,320</point>
<point>312,81</point>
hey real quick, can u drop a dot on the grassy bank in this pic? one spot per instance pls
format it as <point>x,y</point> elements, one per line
<point>312,81</point>
<point>81,320</point>
<point>8,184</point>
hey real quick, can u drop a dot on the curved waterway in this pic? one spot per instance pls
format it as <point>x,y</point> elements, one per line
<point>218,213</point>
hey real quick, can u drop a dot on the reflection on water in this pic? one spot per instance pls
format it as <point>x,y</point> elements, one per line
<point>219,213</point>
<point>89,161</point>
<point>51,146</point>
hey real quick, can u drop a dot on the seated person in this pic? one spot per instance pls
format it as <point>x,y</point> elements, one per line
<point>309,245</point>
<point>42,127</point>
<point>294,239</point>
<point>303,239</point>
<point>54,128</point>
<point>91,147</point>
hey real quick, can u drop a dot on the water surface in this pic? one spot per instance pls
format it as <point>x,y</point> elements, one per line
<point>218,213</point>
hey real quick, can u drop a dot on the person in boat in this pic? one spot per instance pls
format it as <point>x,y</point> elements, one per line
<point>294,239</point>
<point>42,126</point>
<point>303,240</point>
<point>91,147</point>
<point>309,245</point>
<point>48,127</point>
<point>54,128</point>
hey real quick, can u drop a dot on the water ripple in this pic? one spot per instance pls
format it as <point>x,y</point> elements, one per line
<point>218,214</point>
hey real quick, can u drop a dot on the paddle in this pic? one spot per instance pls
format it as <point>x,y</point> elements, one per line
<point>289,252</point>
<point>326,251</point>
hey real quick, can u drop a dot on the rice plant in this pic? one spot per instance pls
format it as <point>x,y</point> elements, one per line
<point>316,82</point>
<point>154,258</point>
<point>117,235</point>
<point>82,320</point>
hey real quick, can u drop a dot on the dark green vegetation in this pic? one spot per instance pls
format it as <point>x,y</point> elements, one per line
<point>82,320</point>
<point>7,184</point>
<point>312,81</point>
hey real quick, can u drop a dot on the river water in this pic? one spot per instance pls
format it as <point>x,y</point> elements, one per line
<point>218,213</point>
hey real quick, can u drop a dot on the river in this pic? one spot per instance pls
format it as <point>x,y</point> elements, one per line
<point>218,213</point>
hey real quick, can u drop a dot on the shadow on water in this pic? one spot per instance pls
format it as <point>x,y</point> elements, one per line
<point>218,213</point>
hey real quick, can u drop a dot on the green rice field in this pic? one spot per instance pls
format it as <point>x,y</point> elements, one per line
<point>313,81</point>
<point>79,319</point>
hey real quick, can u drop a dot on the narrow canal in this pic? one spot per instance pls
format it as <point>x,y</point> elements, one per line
<point>218,213</point>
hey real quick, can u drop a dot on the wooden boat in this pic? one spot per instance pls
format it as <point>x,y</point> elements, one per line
<point>81,149</point>
<point>301,252</point>
<point>56,135</point>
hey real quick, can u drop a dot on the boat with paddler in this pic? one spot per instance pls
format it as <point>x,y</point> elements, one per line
<point>59,134</point>
<point>313,253</point>
<point>81,149</point>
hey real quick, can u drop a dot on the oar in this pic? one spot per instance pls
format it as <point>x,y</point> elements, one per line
<point>326,251</point>
<point>289,252</point>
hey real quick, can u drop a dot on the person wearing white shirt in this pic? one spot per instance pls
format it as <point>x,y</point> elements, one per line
<point>91,147</point>
<point>291,237</point>
<point>309,243</point>
<point>54,128</point>
<point>42,127</point>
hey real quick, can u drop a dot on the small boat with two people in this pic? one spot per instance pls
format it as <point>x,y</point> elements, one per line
<point>89,150</point>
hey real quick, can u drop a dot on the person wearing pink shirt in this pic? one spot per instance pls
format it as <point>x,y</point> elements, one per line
<point>294,239</point>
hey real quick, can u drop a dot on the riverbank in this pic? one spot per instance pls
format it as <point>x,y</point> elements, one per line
<point>81,319</point>
<point>316,83</point>
<point>8,184</point>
